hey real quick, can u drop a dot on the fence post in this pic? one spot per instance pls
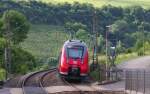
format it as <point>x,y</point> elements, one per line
<point>137,82</point>
<point>127,86</point>
<point>116,75</point>
<point>126,80</point>
<point>131,82</point>
<point>144,82</point>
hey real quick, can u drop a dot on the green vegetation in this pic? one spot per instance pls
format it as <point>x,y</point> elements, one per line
<point>53,23</point>
<point>2,74</point>
<point>13,30</point>
<point>45,41</point>
<point>100,3</point>
<point>15,26</point>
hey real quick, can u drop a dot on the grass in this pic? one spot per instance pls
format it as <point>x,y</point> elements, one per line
<point>100,3</point>
<point>120,58</point>
<point>44,40</point>
<point>2,74</point>
<point>125,57</point>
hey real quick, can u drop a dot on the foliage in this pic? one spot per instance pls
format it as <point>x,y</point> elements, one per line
<point>125,57</point>
<point>101,44</point>
<point>120,48</point>
<point>15,26</point>
<point>1,24</point>
<point>125,22</point>
<point>48,44</point>
<point>82,35</point>
<point>2,45</point>
<point>2,74</point>
<point>17,23</point>
<point>46,63</point>
<point>100,3</point>
<point>22,61</point>
<point>95,75</point>
<point>74,27</point>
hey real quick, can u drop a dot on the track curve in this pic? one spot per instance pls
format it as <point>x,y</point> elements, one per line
<point>33,83</point>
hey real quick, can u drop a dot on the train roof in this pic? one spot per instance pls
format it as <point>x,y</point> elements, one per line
<point>74,42</point>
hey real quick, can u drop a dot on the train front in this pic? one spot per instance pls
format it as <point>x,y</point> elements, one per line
<point>74,60</point>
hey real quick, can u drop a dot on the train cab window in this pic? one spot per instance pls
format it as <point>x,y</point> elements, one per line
<point>75,52</point>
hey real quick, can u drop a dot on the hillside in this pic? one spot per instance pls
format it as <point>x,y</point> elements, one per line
<point>100,3</point>
<point>44,40</point>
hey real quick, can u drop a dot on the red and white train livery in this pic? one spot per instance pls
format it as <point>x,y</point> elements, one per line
<point>73,59</point>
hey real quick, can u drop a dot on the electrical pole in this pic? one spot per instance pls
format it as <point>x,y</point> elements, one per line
<point>95,33</point>
<point>143,39</point>
<point>8,35</point>
<point>106,39</point>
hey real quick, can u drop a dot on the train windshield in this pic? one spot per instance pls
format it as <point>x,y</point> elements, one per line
<point>75,52</point>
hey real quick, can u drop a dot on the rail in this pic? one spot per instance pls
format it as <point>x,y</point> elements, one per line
<point>39,86</point>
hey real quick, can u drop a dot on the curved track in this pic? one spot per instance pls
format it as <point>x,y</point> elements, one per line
<point>73,85</point>
<point>33,83</point>
<point>78,89</point>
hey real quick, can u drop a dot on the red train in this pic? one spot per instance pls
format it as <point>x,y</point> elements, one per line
<point>73,59</point>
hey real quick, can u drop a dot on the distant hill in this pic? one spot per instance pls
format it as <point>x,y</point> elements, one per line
<point>45,40</point>
<point>100,3</point>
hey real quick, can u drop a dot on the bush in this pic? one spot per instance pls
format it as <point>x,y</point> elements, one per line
<point>22,61</point>
<point>95,75</point>
<point>140,52</point>
<point>2,74</point>
<point>46,63</point>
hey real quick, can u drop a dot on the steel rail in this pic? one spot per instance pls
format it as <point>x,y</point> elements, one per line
<point>40,80</point>
<point>72,85</point>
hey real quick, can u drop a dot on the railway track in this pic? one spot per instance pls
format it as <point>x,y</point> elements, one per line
<point>73,86</point>
<point>33,83</point>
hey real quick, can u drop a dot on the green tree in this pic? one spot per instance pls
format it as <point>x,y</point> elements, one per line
<point>82,34</point>
<point>101,43</point>
<point>1,24</point>
<point>2,46</point>
<point>17,24</point>
<point>120,47</point>
<point>14,29</point>
<point>22,61</point>
<point>120,27</point>
<point>73,28</point>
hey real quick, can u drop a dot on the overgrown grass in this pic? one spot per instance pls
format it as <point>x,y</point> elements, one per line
<point>100,3</point>
<point>125,57</point>
<point>45,40</point>
<point>2,74</point>
<point>120,58</point>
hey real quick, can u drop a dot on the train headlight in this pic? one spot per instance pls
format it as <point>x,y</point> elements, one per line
<point>82,62</point>
<point>67,61</point>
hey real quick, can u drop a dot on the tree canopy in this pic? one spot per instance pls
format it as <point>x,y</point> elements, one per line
<point>18,25</point>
